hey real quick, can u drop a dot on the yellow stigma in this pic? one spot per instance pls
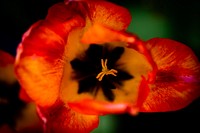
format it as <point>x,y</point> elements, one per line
<point>105,70</point>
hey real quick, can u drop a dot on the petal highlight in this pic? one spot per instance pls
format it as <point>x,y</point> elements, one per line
<point>88,106</point>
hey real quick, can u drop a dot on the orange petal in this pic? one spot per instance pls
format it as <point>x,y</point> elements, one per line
<point>178,77</point>
<point>32,67</point>
<point>39,61</point>
<point>61,119</point>
<point>109,14</point>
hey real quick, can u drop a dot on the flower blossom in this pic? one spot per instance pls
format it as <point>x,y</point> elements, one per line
<point>80,62</point>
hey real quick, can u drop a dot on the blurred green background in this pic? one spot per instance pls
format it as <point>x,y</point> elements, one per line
<point>175,19</point>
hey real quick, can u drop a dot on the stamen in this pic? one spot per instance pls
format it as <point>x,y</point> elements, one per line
<point>105,70</point>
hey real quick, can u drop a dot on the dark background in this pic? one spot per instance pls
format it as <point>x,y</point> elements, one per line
<point>183,24</point>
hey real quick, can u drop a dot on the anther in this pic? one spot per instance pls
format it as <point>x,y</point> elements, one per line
<point>105,70</point>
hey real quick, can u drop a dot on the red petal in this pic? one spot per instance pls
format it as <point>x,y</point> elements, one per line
<point>178,77</point>
<point>5,58</point>
<point>6,129</point>
<point>6,68</point>
<point>24,96</point>
<point>61,119</point>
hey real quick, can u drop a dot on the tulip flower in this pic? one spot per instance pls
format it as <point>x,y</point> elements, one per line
<point>80,62</point>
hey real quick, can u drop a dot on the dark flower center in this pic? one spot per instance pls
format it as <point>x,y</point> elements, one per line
<point>97,68</point>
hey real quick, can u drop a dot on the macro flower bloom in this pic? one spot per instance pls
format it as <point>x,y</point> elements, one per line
<point>79,63</point>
